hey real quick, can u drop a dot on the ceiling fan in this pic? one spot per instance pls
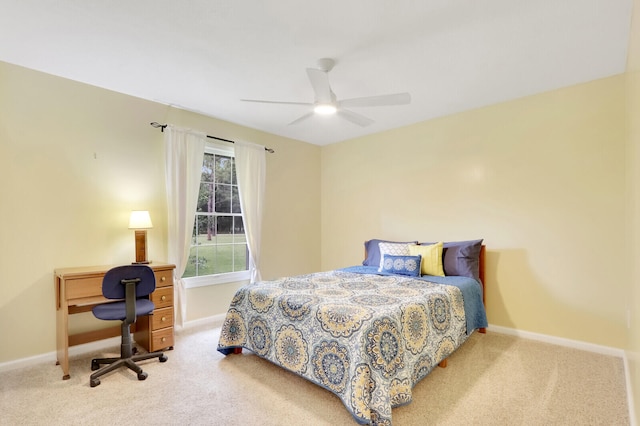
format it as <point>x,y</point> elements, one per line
<point>327,103</point>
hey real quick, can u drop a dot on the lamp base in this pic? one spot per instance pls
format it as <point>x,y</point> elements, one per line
<point>146,262</point>
<point>141,246</point>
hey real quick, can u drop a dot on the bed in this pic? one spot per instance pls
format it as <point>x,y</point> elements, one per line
<point>367,333</point>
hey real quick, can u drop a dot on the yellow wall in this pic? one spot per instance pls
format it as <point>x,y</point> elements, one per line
<point>76,159</point>
<point>633,155</point>
<point>541,179</point>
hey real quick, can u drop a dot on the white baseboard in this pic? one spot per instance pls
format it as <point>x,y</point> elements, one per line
<point>576,344</point>
<point>630,400</point>
<point>213,321</point>
<point>52,356</point>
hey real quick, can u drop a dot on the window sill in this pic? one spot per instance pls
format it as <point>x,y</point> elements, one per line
<point>217,279</point>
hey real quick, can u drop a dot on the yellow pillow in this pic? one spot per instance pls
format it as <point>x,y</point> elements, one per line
<point>431,258</point>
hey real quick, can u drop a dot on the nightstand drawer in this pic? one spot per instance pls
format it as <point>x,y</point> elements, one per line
<point>164,278</point>
<point>162,297</point>
<point>161,339</point>
<point>162,318</point>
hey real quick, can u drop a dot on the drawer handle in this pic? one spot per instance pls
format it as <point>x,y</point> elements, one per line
<point>164,339</point>
<point>163,279</point>
<point>163,298</point>
<point>163,319</point>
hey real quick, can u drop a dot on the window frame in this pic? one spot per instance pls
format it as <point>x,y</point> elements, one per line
<point>225,277</point>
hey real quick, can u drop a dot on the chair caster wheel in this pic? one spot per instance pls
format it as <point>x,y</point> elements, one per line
<point>95,366</point>
<point>134,350</point>
<point>163,358</point>
<point>142,376</point>
<point>94,382</point>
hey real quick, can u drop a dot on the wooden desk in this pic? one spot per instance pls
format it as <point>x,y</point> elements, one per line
<point>79,289</point>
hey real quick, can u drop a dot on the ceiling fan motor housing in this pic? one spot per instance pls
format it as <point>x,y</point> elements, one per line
<point>326,64</point>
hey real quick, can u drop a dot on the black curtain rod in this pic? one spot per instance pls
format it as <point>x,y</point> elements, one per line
<point>162,126</point>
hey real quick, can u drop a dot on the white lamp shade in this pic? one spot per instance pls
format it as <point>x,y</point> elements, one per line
<point>140,219</point>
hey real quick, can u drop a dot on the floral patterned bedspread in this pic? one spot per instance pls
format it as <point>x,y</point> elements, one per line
<point>367,338</point>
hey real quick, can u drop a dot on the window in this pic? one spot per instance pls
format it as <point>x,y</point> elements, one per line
<point>219,250</point>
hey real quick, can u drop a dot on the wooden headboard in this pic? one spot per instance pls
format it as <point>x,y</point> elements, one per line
<point>482,281</point>
<point>481,271</point>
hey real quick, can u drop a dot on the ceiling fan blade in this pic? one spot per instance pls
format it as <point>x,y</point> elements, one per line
<point>303,118</point>
<point>382,100</point>
<point>355,118</point>
<point>276,102</point>
<point>320,82</point>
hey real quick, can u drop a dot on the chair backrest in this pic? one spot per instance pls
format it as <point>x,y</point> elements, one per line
<point>113,288</point>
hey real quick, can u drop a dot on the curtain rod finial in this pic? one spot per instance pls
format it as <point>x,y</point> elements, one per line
<point>158,125</point>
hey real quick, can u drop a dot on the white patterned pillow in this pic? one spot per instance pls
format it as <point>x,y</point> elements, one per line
<point>394,249</point>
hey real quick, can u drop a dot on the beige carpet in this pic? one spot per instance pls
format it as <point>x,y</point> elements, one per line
<point>493,379</point>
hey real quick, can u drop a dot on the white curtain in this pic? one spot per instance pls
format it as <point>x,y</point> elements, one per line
<point>251,173</point>
<point>184,152</point>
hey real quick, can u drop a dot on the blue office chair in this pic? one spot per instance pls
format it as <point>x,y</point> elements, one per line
<point>133,283</point>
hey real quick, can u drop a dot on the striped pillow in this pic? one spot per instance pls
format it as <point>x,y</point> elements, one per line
<point>431,258</point>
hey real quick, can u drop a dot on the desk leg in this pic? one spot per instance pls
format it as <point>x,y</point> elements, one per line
<point>62,333</point>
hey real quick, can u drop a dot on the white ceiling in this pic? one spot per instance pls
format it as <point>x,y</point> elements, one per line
<point>206,55</point>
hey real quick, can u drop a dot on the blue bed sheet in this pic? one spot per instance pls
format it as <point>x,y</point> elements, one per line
<point>471,289</point>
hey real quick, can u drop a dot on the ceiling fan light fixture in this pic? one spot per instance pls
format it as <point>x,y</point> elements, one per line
<point>326,102</point>
<point>325,109</point>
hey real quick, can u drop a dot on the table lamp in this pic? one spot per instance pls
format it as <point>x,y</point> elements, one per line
<point>140,221</point>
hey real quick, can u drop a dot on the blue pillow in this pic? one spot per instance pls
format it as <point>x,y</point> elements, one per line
<point>462,258</point>
<point>372,251</point>
<point>402,265</point>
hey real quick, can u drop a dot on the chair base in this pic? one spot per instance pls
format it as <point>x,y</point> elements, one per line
<point>127,359</point>
<point>115,363</point>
